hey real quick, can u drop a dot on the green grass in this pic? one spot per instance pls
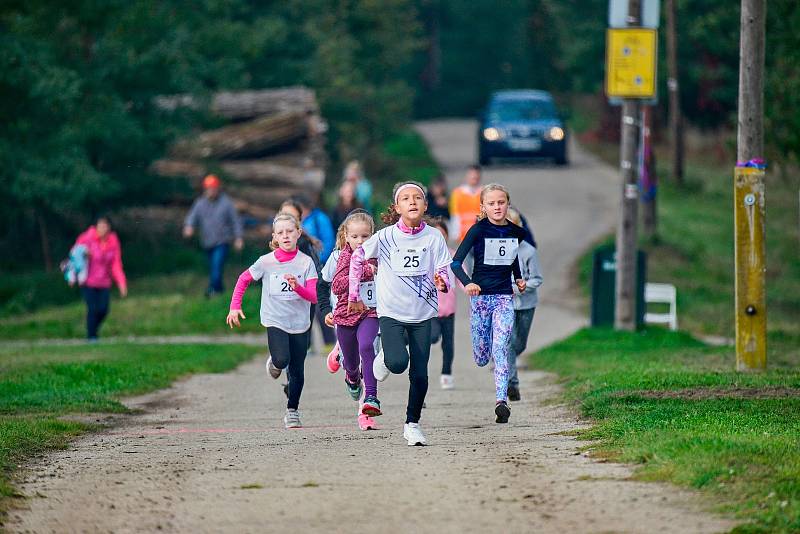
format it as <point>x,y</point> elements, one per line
<point>39,384</point>
<point>744,450</point>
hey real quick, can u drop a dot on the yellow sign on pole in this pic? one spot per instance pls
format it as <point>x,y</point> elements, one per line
<point>751,306</point>
<point>631,62</point>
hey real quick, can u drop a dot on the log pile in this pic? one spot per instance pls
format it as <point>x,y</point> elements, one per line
<point>272,148</point>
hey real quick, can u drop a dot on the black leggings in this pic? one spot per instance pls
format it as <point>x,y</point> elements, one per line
<point>444,328</point>
<point>393,338</point>
<point>97,303</point>
<point>289,351</point>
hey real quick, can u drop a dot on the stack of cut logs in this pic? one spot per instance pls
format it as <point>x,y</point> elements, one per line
<point>273,147</point>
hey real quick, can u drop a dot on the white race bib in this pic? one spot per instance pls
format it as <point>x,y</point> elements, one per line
<point>366,291</point>
<point>279,287</point>
<point>499,251</point>
<point>410,261</point>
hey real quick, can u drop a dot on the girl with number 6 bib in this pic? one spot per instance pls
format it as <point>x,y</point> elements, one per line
<point>493,242</point>
<point>412,265</point>
<point>356,330</point>
<point>289,289</point>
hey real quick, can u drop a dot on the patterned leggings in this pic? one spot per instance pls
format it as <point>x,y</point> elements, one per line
<point>492,321</point>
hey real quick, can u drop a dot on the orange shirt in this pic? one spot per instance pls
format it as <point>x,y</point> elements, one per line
<point>465,205</point>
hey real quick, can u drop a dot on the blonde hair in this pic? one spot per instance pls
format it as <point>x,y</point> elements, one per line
<point>354,216</point>
<point>390,216</point>
<point>513,215</point>
<point>273,244</point>
<point>355,167</point>
<point>487,189</point>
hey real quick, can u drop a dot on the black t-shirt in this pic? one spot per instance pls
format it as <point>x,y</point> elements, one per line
<point>493,279</point>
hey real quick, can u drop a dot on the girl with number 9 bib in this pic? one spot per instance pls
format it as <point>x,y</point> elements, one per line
<point>356,330</point>
<point>412,264</point>
<point>493,242</point>
<point>289,288</point>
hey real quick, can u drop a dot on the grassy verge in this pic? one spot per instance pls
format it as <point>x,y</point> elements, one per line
<point>674,406</point>
<point>40,384</point>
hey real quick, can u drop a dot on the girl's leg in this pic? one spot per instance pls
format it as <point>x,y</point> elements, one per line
<point>519,340</point>
<point>481,328</point>
<point>502,325</point>
<point>279,348</point>
<point>419,344</point>
<point>448,332</point>
<point>393,340</point>
<point>91,312</point>
<point>367,331</point>
<point>298,346</point>
<point>348,345</point>
<point>103,304</point>
<point>436,330</point>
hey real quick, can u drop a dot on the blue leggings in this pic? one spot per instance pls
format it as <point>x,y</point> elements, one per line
<point>491,323</point>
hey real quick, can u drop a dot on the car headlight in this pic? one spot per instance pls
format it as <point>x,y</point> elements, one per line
<point>555,133</point>
<point>492,134</point>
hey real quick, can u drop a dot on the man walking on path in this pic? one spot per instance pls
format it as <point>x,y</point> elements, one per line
<point>219,225</point>
<point>465,201</point>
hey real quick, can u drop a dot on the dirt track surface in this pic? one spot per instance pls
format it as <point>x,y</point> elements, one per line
<point>210,454</point>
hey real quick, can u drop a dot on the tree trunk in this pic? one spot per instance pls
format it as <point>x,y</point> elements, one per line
<point>673,86</point>
<point>241,105</point>
<point>45,241</point>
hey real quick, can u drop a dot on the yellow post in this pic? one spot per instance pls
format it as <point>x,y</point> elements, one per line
<point>751,309</point>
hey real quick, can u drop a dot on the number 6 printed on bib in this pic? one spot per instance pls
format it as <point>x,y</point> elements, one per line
<point>279,287</point>
<point>499,251</point>
<point>409,261</point>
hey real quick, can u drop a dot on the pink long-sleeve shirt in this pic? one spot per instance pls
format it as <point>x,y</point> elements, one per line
<point>307,292</point>
<point>105,260</point>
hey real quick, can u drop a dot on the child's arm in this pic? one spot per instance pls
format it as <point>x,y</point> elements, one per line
<point>324,296</point>
<point>235,311</point>
<point>356,271</point>
<point>308,291</point>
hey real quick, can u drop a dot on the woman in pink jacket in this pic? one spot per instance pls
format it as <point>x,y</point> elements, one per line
<point>105,266</point>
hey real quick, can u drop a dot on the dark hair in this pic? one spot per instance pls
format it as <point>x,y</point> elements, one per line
<point>475,167</point>
<point>103,217</point>
<point>440,223</point>
<point>292,201</point>
<point>390,216</point>
<point>301,200</point>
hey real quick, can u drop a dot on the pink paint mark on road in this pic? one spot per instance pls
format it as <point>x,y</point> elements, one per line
<point>175,431</point>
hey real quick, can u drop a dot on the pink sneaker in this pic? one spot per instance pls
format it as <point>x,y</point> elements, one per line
<point>333,359</point>
<point>366,422</point>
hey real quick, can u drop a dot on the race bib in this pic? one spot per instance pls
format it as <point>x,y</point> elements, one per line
<point>279,287</point>
<point>410,261</point>
<point>499,251</point>
<point>366,291</point>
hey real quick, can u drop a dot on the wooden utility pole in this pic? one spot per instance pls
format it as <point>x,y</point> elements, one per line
<point>749,191</point>
<point>675,118</point>
<point>625,305</point>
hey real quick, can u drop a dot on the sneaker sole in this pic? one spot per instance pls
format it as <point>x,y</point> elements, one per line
<point>368,426</point>
<point>502,412</point>
<point>333,367</point>
<point>371,411</point>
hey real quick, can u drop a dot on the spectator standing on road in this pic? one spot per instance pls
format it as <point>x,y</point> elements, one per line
<point>105,265</point>
<point>219,224</point>
<point>355,174</point>
<point>465,201</point>
<point>437,199</point>
<point>347,203</point>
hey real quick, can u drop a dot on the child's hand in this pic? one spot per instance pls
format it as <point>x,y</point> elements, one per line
<point>233,318</point>
<point>521,285</point>
<point>329,320</point>
<point>123,292</point>
<point>356,307</point>
<point>291,279</point>
<point>439,283</point>
<point>472,289</point>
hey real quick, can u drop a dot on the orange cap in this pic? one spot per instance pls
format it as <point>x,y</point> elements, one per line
<point>210,181</point>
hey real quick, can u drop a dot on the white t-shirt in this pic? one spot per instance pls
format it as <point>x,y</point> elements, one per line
<point>281,307</point>
<point>406,265</point>
<point>328,272</point>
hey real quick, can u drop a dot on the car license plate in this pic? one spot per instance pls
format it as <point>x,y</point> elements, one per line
<point>524,144</point>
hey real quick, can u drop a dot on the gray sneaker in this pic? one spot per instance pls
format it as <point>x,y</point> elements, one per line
<point>273,371</point>
<point>292,419</point>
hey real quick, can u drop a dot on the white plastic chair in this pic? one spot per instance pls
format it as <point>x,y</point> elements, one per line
<point>661,294</point>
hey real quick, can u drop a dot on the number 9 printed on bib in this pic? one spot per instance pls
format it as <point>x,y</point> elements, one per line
<point>499,251</point>
<point>410,261</point>
<point>279,287</point>
<point>366,291</point>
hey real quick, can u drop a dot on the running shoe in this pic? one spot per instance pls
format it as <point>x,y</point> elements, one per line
<point>273,371</point>
<point>513,393</point>
<point>366,422</point>
<point>379,368</point>
<point>333,359</point>
<point>371,406</point>
<point>502,411</point>
<point>292,419</point>
<point>413,434</point>
<point>447,382</point>
<point>354,390</point>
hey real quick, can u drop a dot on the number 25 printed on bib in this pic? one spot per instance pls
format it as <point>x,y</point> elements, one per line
<point>279,287</point>
<point>410,261</point>
<point>499,251</point>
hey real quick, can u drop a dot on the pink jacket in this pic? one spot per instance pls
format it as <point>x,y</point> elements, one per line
<point>340,286</point>
<point>105,260</point>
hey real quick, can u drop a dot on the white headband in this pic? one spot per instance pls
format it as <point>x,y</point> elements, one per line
<point>403,187</point>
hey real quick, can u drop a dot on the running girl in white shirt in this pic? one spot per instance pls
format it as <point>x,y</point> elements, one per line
<point>289,289</point>
<point>412,264</point>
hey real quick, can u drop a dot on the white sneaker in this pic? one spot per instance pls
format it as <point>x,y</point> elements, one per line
<point>447,382</point>
<point>273,371</point>
<point>413,434</point>
<point>379,368</point>
<point>292,419</point>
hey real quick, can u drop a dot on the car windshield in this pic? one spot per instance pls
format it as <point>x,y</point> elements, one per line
<point>521,110</point>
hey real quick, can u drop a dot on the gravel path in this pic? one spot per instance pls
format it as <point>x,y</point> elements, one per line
<point>210,453</point>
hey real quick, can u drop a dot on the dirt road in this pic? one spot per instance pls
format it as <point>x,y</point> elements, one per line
<point>210,454</point>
